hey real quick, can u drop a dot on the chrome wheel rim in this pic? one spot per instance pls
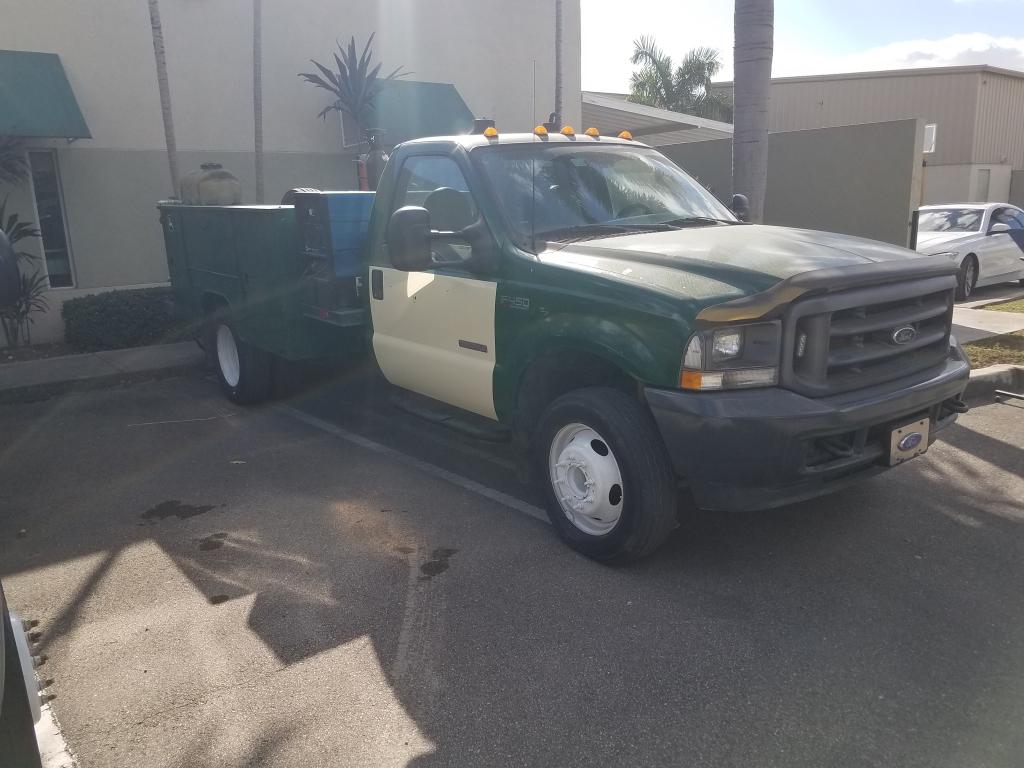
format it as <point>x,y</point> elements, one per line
<point>586,479</point>
<point>969,277</point>
<point>227,356</point>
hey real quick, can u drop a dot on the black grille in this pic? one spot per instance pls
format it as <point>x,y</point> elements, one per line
<point>854,339</point>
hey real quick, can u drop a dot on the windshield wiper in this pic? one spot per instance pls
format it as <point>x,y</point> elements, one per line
<point>697,221</point>
<point>578,232</point>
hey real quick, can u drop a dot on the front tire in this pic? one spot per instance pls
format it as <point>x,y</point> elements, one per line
<point>608,486</point>
<point>967,279</point>
<point>245,372</point>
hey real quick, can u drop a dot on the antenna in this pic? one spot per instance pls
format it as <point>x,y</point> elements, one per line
<point>533,171</point>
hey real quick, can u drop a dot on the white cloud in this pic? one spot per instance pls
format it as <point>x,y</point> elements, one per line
<point>970,48</point>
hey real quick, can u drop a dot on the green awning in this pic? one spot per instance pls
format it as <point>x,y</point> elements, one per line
<point>36,98</point>
<point>406,110</point>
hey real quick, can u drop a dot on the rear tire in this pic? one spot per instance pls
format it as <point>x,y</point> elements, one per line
<point>245,372</point>
<point>608,485</point>
<point>967,279</point>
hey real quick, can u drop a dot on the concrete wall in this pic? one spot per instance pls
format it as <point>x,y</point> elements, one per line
<point>963,183</point>
<point>856,179</point>
<point>111,182</point>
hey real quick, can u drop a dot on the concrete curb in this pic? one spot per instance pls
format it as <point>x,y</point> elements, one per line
<point>985,381</point>
<point>43,379</point>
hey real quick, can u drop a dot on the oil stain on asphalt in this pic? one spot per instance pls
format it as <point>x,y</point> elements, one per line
<point>213,541</point>
<point>175,508</point>
<point>438,563</point>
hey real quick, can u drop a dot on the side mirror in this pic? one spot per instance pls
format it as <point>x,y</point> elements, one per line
<point>998,227</point>
<point>409,238</point>
<point>741,207</point>
<point>10,277</point>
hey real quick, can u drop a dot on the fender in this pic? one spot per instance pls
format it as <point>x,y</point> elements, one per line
<point>633,347</point>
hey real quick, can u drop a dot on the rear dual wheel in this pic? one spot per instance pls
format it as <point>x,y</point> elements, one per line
<point>245,372</point>
<point>608,486</point>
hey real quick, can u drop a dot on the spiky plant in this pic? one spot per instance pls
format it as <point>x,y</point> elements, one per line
<point>14,169</point>
<point>355,84</point>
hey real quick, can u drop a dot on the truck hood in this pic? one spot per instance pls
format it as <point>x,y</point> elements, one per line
<point>936,242</point>
<point>720,262</point>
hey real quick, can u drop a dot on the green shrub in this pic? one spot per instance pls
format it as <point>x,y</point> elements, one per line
<point>118,319</point>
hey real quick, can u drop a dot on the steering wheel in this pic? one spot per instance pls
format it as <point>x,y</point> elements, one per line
<point>634,209</point>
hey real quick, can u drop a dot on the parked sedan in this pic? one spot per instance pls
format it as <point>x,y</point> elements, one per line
<point>986,239</point>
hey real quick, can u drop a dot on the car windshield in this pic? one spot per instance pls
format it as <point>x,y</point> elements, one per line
<point>950,220</point>
<point>568,192</point>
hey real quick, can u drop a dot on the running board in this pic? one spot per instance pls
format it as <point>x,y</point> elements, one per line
<point>435,412</point>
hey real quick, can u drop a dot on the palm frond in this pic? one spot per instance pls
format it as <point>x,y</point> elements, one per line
<point>14,168</point>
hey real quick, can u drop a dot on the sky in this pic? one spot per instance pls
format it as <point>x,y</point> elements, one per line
<point>811,36</point>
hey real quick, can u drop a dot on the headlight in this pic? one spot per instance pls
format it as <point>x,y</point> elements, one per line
<point>735,357</point>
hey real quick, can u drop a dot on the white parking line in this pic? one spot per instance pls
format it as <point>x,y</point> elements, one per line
<point>431,469</point>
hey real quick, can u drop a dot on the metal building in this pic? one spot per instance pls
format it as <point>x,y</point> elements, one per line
<point>977,113</point>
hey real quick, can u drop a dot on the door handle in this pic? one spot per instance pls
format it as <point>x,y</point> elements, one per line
<point>377,284</point>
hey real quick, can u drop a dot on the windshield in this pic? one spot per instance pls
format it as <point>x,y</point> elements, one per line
<point>950,220</point>
<point>565,191</point>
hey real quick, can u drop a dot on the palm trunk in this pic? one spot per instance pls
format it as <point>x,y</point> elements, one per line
<point>165,93</point>
<point>257,92</point>
<point>754,23</point>
<point>558,63</point>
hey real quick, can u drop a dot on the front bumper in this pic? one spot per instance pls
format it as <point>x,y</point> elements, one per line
<point>761,448</point>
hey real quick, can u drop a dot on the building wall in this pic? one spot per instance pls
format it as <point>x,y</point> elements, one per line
<point>1017,189</point>
<point>950,100</point>
<point>857,179</point>
<point>999,132</point>
<point>487,48</point>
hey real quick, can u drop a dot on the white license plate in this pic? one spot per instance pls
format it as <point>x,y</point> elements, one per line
<point>908,441</point>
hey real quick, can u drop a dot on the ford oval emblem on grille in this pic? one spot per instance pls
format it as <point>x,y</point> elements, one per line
<point>910,442</point>
<point>904,335</point>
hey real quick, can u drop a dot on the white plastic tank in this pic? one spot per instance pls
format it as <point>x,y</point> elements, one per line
<point>210,185</point>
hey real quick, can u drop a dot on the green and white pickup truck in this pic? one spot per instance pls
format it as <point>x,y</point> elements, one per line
<point>585,292</point>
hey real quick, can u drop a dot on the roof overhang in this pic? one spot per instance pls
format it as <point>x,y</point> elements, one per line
<point>36,99</point>
<point>610,114</point>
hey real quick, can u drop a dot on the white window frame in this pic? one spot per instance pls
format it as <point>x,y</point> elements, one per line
<point>63,213</point>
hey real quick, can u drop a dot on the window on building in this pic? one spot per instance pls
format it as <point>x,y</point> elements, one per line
<point>50,209</point>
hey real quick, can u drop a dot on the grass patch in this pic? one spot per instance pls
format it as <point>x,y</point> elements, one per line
<point>1007,348</point>
<point>1007,306</point>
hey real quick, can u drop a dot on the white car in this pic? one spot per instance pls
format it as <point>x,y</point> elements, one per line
<point>986,239</point>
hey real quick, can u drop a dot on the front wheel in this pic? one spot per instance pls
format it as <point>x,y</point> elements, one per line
<point>608,486</point>
<point>967,279</point>
<point>244,371</point>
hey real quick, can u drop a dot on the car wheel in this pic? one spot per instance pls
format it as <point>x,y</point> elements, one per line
<point>968,278</point>
<point>608,485</point>
<point>244,371</point>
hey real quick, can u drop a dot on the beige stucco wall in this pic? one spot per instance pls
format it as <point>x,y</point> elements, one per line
<point>488,48</point>
<point>960,183</point>
<point>855,179</point>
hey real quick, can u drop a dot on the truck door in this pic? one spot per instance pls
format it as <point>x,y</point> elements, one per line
<point>433,331</point>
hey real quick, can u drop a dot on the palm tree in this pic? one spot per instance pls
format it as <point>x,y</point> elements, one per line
<point>354,86</point>
<point>558,64</point>
<point>165,93</point>
<point>754,23</point>
<point>257,93</point>
<point>685,88</point>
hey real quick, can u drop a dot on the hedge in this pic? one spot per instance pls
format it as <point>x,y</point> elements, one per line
<point>118,319</point>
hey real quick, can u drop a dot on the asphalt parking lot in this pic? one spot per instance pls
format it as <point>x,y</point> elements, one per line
<point>218,586</point>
